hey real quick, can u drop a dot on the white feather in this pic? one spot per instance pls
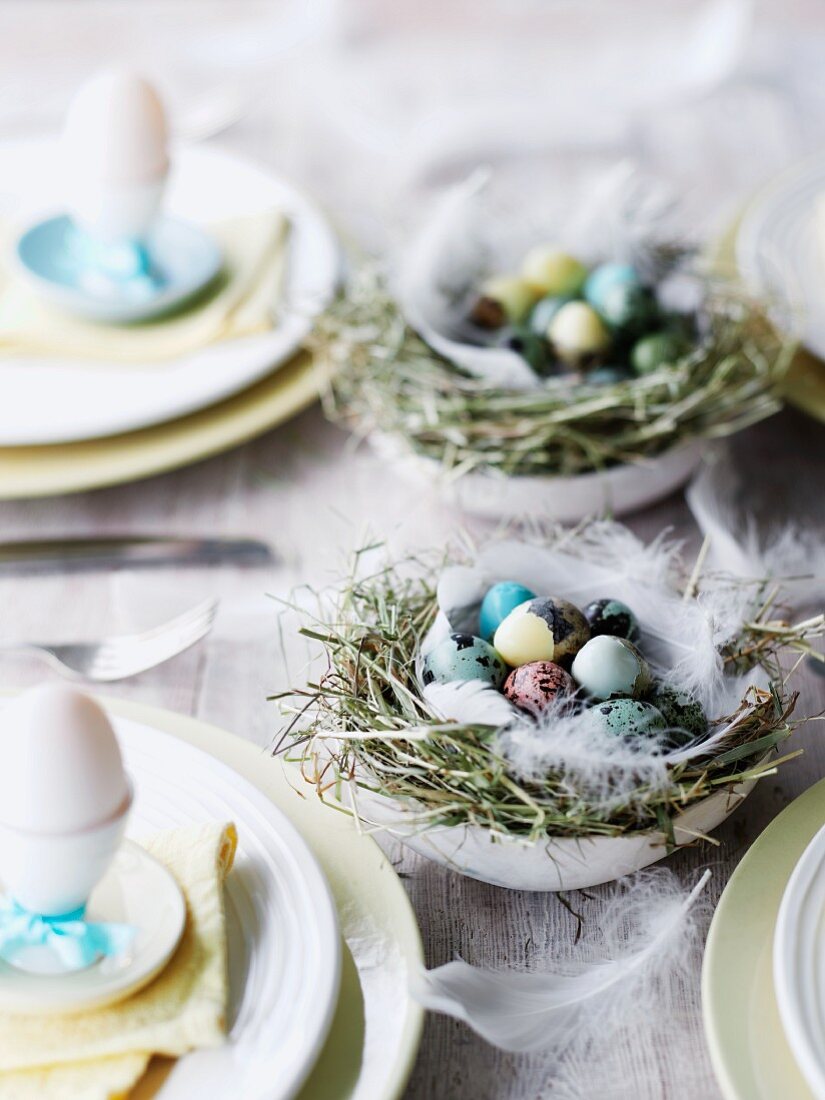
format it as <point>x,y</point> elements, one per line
<point>459,593</point>
<point>594,764</point>
<point>618,983</point>
<point>741,546</point>
<point>472,702</point>
<point>438,270</point>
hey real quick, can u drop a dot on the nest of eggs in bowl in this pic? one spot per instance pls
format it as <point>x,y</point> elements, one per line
<point>653,696</point>
<point>545,654</point>
<point>605,323</point>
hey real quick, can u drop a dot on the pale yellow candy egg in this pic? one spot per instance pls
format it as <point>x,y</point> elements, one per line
<point>523,637</point>
<point>515,296</point>
<point>542,629</point>
<point>553,271</point>
<point>577,332</point>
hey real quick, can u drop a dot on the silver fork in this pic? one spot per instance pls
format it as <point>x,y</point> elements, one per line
<point>122,655</point>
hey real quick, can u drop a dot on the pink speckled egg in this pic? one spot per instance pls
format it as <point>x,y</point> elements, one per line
<point>532,687</point>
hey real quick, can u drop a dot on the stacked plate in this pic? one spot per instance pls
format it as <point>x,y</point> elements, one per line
<point>67,425</point>
<point>320,933</point>
<point>764,972</point>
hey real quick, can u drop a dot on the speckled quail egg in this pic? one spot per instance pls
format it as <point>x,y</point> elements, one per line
<point>604,277</point>
<point>656,350</point>
<point>629,307</point>
<point>628,717</point>
<point>505,299</point>
<point>534,686</point>
<point>609,616</point>
<point>682,713</point>
<point>607,376</point>
<point>607,667</point>
<point>464,657</point>
<point>541,630</point>
<point>533,348</point>
<point>553,271</point>
<point>577,332</point>
<point>498,602</point>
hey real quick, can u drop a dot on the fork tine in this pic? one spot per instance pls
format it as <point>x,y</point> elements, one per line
<point>125,656</point>
<point>171,631</point>
<point>207,608</point>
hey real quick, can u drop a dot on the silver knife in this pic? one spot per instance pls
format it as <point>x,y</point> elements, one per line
<point>129,552</point>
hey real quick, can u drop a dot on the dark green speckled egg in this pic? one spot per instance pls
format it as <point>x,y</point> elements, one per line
<point>464,657</point>
<point>609,616</point>
<point>629,718</point>
<point>682,713</point>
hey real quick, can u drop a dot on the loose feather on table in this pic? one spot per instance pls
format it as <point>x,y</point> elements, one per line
<point>621,981</point>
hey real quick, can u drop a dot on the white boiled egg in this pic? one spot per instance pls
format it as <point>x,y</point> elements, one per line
<point>114,151</point>
<point>60,765</point>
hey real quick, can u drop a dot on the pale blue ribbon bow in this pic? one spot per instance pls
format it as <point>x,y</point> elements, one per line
<point>76,942</point>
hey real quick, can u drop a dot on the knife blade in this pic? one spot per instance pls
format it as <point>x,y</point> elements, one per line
<point>128,552</point>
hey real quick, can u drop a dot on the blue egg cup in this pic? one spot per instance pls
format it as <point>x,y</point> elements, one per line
<point>122,283</point>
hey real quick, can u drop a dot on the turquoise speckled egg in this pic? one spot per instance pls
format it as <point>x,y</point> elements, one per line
<point>464,657</point>
<point>534,686</point>
<point>629,718</point>
<point>682,713</point>
<point>613,617</point>
<point>541,630</point>
<point>605,276</point>
<point>607,667</point>
<point>500,600</point>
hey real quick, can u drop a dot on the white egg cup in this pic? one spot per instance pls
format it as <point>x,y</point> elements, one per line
<point>112,214</point>
<point>52,874</point>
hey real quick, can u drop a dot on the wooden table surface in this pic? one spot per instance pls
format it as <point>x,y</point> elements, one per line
<point>309,492</point>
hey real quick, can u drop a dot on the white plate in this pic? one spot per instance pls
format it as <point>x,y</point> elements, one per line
<point>90,401</point>
<point>284,945</point>
<point>136,890</point>
<point>777,250</point>
<point>799,963</point>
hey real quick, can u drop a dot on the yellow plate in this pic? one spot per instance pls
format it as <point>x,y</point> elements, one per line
<point>363,884</point>
<point>747,1043</point>
<point>804,385</point>
<point>74,467</point>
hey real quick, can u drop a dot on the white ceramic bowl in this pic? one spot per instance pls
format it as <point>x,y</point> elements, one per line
<point>53,874</point>
<point>557,864</point>
<point>616,491</point>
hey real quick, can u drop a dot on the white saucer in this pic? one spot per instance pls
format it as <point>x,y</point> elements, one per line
<point>93,400</point>
<point>184,256</point>
<point>137,890</point>
<point>799,964</point>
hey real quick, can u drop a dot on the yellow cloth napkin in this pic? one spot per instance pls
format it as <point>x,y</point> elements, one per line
<point>245,304</point>
<point>100,1055</point>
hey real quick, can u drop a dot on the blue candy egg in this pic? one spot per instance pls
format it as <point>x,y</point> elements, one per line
<point>603,278</point>
<point>464,657</point>
<point>500,600</point>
